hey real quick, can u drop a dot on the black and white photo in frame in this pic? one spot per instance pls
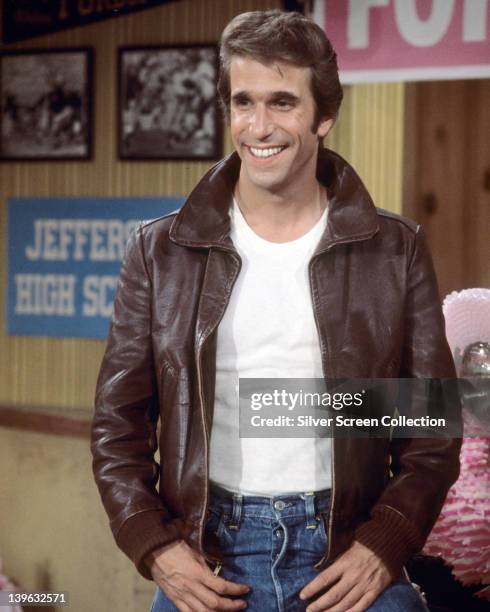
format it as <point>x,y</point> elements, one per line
<point>46,98</point>
<point>168,103</point>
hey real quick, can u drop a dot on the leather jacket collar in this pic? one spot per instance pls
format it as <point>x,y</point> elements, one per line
<point>352,215</point>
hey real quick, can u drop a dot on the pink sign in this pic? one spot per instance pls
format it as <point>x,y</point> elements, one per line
<point>408,40</point>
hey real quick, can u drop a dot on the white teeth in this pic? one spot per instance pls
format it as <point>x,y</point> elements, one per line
<point>266,152</point>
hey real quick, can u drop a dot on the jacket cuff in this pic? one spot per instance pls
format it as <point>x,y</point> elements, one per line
<point>144,532</point>
<point>391,537</point>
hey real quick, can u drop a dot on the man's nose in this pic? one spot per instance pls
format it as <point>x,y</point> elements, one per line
<point>261,124</point>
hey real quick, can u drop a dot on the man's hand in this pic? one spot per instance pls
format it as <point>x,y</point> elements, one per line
<point>354,581</point>
<point>184,576</point>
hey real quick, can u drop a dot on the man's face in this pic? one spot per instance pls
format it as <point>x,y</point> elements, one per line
<point>271,118</point>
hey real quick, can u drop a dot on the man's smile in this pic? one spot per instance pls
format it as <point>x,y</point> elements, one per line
<point>266,152</point>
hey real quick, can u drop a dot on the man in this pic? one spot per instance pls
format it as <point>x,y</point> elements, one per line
<point>278,265</point>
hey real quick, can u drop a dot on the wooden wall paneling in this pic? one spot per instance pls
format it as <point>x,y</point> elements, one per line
<point>410,151</point>
<point>441,110</point>
<point>370,135</point>
<point>447,153</point>
<point>476,199</point>
<point>75,423</point>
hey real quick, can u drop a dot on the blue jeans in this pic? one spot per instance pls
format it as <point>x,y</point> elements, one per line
<point>272,544</point>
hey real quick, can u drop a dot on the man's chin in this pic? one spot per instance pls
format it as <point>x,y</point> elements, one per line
<point>266,181</point>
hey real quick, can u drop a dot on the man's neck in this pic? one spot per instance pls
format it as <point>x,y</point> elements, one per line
<point>284,215</point>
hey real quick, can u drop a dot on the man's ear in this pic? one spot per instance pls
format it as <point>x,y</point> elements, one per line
<point>324,127</point>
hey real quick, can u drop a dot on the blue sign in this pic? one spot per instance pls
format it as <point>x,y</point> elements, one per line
<point>64,256</point>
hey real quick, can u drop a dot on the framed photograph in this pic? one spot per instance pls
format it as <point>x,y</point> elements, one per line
<point>46,98</point>
<point>168,104</point>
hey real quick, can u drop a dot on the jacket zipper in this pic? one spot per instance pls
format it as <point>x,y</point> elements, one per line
<point>325,373</point>
<point>206,480</point>
<point>206,439</point>
<point>332,456</point>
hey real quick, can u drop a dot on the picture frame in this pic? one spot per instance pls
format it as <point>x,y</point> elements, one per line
<point>46,104</point>
<point>168,103</point>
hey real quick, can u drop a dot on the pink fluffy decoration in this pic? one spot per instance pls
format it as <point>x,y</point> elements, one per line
<point>467,315</point>
<point>461,535</point>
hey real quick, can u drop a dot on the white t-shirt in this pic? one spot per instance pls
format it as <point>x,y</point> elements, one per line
<point>268,331</point>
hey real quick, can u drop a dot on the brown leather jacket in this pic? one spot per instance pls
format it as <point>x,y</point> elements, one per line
<point>378,315</point>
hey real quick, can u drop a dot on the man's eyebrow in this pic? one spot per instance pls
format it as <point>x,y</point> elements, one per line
<point>286,96</point>
<point>240,96</point>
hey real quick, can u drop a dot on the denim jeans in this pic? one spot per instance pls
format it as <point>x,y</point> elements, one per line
<point>272,544</point>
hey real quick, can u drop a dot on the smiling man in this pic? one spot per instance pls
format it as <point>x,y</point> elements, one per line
<point>277,266</point>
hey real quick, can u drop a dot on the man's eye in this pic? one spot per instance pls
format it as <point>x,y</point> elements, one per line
<point>241,104</point>
<point>282,104</point>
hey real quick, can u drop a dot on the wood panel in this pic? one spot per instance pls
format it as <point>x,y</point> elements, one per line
<point>75,424</point>
<point>476,203</point>
<point>448,177</point>
<point>370,135</point>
